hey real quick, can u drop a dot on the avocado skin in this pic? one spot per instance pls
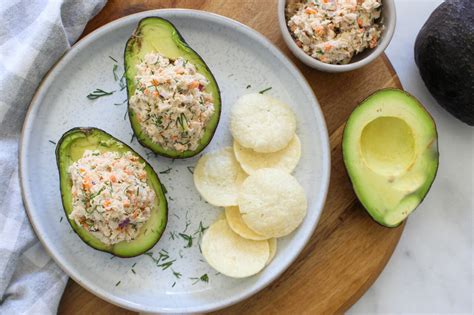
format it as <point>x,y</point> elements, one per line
<point>218,101</point>
<point>444,54</point>
<point>88,131</point>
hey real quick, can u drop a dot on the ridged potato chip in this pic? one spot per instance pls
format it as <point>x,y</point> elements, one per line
<point>231,254</point>
<point>272,243</point>
<point>262,123</point>
<point>285,159</point>
<point>272,202</point>
<point>218,176</point>
<point>237,225</point>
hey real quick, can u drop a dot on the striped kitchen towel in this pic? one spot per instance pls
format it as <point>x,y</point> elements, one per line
<point>34,34</point>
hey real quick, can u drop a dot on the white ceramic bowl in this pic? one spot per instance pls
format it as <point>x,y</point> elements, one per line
<point>242,61</point>
<point>359,60</point>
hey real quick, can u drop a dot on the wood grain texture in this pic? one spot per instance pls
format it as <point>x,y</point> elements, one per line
<point>348,250</point>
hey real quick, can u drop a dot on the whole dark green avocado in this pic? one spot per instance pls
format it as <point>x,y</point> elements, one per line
<point>444,54</point>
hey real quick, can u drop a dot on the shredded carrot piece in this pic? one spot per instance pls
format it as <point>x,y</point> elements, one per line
<point>373,42</point>
<point>86,183</point>
<point>194,85</point>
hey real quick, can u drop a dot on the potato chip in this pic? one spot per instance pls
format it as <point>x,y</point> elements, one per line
<point>231,254</point>
<point>235,222</point>
<point>272,243</point>
<point>221,216</point>
<point>285,159</point>
<point>262,123</point>
<point>218,176</point>
<point>272,202</point>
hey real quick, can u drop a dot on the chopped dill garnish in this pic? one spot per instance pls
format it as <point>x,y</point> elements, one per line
<point>118,283</point>
<point>203,278</point>
<point>201,229</point>
<point>98,93</point>
<point>174,283</point>
<point>92,196</point>
<point>113,58</point>
<point>114,71</point>
<point>172,235</point>
<point>122,84</point>
<point>134,265</point>
<point>125,115</point>
<point>118,104</point>
<point>133,271</point>
<point>217,273</point>
<point>133,137</point>
<point>188,222</point>
<point>167,171</point>
<point>51,141</point>
<point>163,256</point>
<point>113,256</point>
<point>176,274</point>
<point>265,90</point>
<point>174,214</point>
<point>248,86</point>
<point>191,169</point>
<point>166,265</point>
<point>61,220</point>
<point>188,239</point>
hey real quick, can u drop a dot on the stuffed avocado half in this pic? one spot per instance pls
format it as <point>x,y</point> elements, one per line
<point>390,149</point>
<point>142,229</point>
<point>174,102</point>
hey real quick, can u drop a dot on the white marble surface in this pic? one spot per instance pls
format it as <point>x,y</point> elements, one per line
<point>431,270</point>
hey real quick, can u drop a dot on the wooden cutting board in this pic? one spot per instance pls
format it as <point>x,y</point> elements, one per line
<point>348,250</point>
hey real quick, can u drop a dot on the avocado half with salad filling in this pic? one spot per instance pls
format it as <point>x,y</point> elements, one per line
<point>390,149</point>
<point>174,101</point>
<point>114,210</point>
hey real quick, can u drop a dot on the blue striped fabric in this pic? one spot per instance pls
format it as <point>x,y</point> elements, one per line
<point>34,34</point>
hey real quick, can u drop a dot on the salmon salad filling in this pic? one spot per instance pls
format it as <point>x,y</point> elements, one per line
<point>171,103</point>
<point>333,31</point>
<point>111,197</point>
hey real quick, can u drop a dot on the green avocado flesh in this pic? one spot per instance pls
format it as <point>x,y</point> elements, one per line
<point>69,149</point>
<point>158,35</point>
<point>390,149</point>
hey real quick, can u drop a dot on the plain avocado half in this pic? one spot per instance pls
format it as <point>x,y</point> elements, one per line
<point>158,35</point>
<point>390,149</point>
<point>69,149</point>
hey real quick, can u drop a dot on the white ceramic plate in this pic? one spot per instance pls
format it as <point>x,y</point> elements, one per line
<point>242,61</point>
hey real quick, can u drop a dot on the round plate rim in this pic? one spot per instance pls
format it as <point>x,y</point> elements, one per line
<point>216,18</point>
